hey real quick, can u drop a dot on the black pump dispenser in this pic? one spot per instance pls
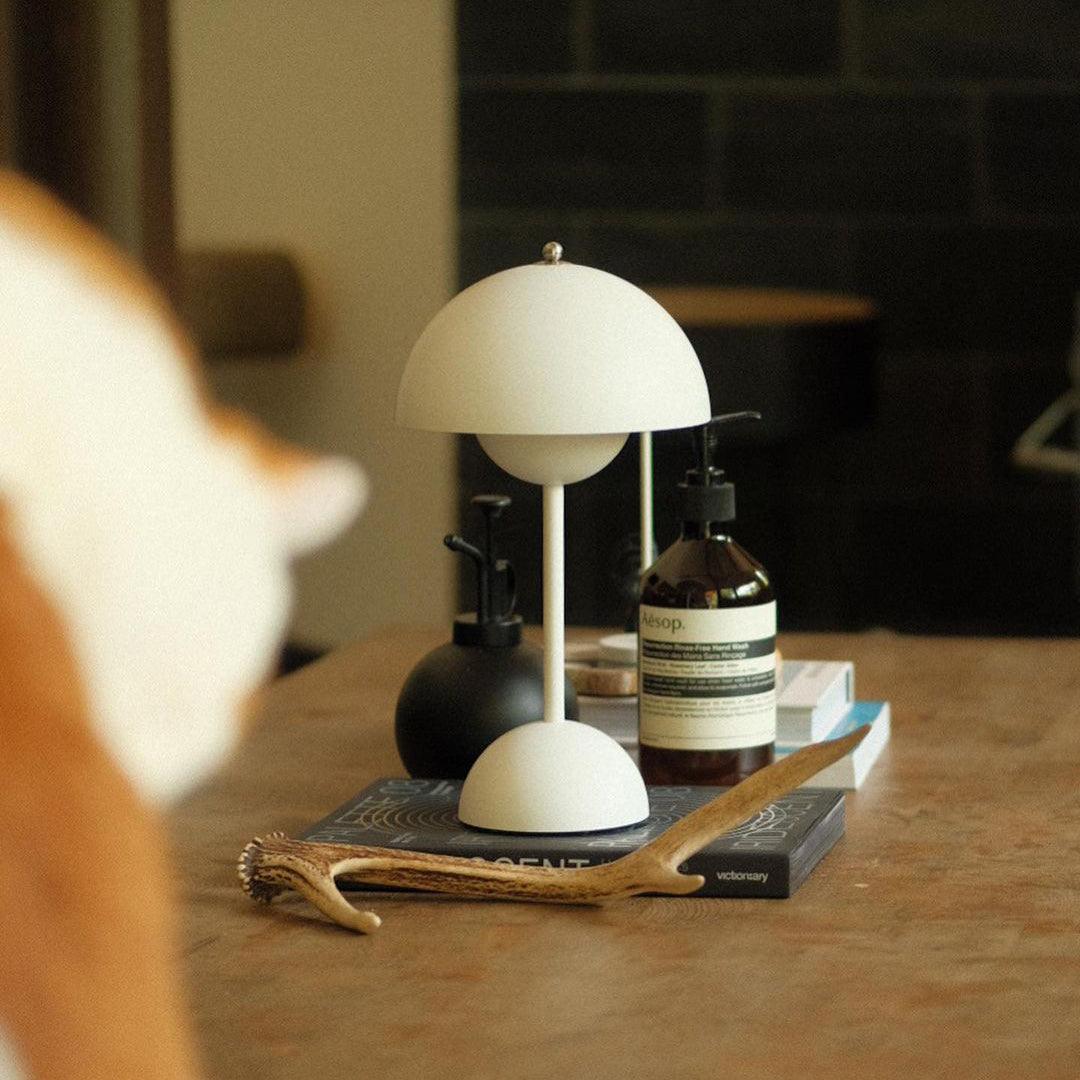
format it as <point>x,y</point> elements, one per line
<point>494,623</point>
<point>485,681</point>
<point>705,495</point>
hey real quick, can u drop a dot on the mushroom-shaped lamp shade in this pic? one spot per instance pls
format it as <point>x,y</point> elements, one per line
<point>552,348</point>
<point>552,365</point>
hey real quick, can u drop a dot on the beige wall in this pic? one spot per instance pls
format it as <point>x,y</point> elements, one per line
<point>327,127</point>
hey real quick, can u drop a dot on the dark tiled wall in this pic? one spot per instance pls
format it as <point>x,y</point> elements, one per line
<point>925,153</point>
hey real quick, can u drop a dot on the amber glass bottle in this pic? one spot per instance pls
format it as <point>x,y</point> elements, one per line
<point>707,625</point>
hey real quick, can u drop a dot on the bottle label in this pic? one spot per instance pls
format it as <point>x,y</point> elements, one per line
<point>707,677</point>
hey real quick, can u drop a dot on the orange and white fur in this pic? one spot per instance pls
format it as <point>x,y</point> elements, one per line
<point>145,539</point>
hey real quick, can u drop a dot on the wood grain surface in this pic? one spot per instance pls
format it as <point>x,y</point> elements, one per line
<point>939,938</point>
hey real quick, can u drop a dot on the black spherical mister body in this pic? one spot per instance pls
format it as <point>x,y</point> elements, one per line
<point>463,695</point>
<point>461,698</point>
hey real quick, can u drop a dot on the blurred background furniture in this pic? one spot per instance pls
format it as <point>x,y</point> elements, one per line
<point>286,174</point>
<point>805,360</point>
<point>924,156</point>
<point>85,109</point>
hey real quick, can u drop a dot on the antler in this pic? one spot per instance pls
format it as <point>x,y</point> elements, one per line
<point>272,865</point>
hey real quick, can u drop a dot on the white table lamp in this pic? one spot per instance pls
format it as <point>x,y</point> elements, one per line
<point>551,365</point>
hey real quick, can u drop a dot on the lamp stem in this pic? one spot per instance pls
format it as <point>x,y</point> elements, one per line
<point>554,614</point>
<point>645,501</point>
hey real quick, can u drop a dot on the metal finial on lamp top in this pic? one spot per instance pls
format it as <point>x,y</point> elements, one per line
<point>552,252</point>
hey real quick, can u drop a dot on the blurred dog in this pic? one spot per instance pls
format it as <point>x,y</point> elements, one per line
<point>145,537</point>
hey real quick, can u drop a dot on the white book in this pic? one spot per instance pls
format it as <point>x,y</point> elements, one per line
<point>850,771</point>
<point>811,697</point>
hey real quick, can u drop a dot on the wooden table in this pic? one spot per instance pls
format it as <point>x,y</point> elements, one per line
<point>939,938</point>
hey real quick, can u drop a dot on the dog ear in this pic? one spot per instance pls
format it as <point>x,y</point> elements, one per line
<point>316,498</point>
<point>87,945</point>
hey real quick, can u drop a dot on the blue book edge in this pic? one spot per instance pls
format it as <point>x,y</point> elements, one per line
<point>860,714</point>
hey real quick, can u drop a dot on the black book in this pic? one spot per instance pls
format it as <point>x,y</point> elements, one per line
<point>768,856</point>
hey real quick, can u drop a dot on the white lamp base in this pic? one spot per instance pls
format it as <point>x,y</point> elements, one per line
<point>553,777</point>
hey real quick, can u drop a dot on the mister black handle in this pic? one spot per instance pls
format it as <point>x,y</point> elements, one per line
<point>487,568</point>
<point>491,506</point>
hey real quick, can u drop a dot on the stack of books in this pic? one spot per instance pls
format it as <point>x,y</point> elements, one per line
<point>815,701</point>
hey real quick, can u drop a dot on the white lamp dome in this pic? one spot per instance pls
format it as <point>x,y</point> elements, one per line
<point>552,348</point>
